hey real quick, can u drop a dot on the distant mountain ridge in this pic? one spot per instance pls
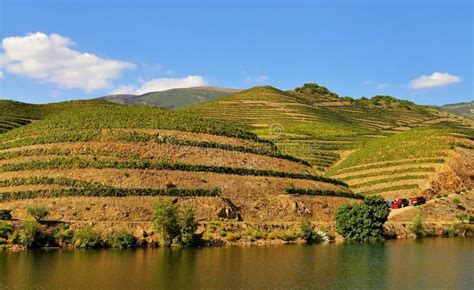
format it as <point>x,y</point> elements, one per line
<point>172,99</point>
<point>464,108</point>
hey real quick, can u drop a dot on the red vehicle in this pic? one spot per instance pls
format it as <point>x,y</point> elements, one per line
<point>417,200</point>
<point>399,203</point>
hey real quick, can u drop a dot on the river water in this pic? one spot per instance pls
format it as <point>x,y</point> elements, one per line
<point>423,264</point>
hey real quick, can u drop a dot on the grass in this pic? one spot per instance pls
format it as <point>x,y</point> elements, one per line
<point>73,187</point>
<point>75,162</point>
<point>306,115</point>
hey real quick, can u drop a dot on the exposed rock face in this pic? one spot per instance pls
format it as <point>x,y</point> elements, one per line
<point>457,174</point>
<point>229,211</point>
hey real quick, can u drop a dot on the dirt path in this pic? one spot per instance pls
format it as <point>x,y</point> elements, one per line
<point>395,212</point>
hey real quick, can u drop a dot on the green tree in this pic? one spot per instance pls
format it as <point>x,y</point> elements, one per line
<point>188,227</point>
<point>166,221</point>
<point>417,226</point>
<point>38,212</point>
<point>307,232</point>
<point>364,221</point>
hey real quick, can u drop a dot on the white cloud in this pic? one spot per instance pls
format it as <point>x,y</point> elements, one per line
<point>436,79</point>
<point>50,58</point>
<point>258,79</point>
<point>383,85</point>
<point>162,84</point>
<point>367,82</point>
<point>1,75</point>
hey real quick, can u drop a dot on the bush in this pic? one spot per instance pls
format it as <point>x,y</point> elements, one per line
<point>38,212</point>
<point>462,216</point>
<point>30,235</point>
<point>87,238</point>
<point>63,235</point>
<point>166,221</point>
<point>175,228</point>
<point>362,222</point>
<point>417,227</point>
<point>232,237</point>
<point>188,227</point>
<point>5,215</point>
<point>456,200</point>
<point>450,232</point>
<point>5,230</point>
<point>307,232</point>
<point>121,239</point>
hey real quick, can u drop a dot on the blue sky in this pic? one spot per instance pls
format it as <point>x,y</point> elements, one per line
<point>60,50</point>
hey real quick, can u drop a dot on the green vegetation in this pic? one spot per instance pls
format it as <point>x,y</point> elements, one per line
<point>462,216</point>
<point>121,239</point>
<point>175,228</point>
<point>307,232</point>
<point>75,162</point>
<point>87,238</point>
<point>5,214</point>
<point>172,99</point>
<point>417,226</point>
<point>320,192</point>
<point>364,221</point>
<point>72,187</point>
<point>38,212</point>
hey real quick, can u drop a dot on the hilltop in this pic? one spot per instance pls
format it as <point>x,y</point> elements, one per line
<point>172,99</point>
<point>466,109</point>
<point>106,164</point>
<point>380,145</point>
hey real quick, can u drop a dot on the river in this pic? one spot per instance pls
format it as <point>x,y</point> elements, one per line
<point>422,264</point>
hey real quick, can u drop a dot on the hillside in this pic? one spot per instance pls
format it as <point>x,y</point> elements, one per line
<point>103,163</point>
<point>466,109</point>
<point>380,145</point>
<point>172,99</point>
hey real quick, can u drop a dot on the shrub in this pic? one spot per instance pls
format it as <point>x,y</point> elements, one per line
<point>188,227</point>
<point>166,221</point>
<point>471,219</point>
<point>232,237</point>
<point>175,228</point>
<point>87,238</point>
<point>417,227</point>
<point>462,216</point>
<point>362,222</point>
<point>450,232</point>
<point>121,239</point>
<point>456,200</point>
<point>63,235</point>
<point>30,235</point>
<point>5,215</point>
<point>5,230</point>
<point>38,212</point>
<point>307,232</point>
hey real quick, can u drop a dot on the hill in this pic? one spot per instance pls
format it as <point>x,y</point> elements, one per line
<point>172,99</point>
<point>106,164</point>
<point>381,145</point>
<point>466,109</point>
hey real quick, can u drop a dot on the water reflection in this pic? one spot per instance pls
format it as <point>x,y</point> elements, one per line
<point>431,263</point>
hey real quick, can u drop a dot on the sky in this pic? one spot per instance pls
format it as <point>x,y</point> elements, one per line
<point>418,50</point>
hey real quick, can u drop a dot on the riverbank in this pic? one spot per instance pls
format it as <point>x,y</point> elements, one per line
<point>56,234</point>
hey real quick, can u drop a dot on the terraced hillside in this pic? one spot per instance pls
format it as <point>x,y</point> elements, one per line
<point>315,124</point>
<point>172,99</point>
<point>380,145</point>
<point>430,160</point>
<point>16,114</point>
<point>466,109</point>
<point>102,162</point>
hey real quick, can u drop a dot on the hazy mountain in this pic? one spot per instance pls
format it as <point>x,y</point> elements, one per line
<point>172,99</point>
